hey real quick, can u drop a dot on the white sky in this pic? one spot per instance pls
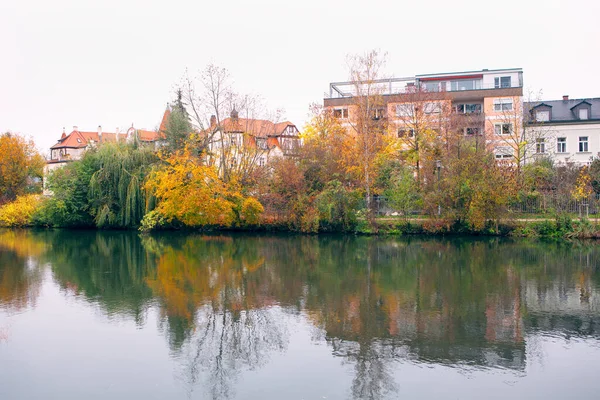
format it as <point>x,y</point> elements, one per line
<point>114,62</point>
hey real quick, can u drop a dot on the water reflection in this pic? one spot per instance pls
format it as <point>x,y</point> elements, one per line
<point>224,300</point>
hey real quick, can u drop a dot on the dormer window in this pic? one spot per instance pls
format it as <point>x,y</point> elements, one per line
<point>542,115</point>
<point>583,113</point>
<point>78,140</point>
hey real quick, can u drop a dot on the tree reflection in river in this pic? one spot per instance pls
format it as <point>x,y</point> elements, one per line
<point>225,300</point>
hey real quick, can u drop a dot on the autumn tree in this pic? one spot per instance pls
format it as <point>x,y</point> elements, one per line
<point>20,163</point>
<point>367,119</point>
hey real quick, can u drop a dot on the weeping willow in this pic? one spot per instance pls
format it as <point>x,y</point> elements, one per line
<point>116,196</point>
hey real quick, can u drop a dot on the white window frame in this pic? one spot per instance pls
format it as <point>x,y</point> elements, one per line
<point>261,162</point>
<point>498,82</point>
<point>584,145</point>
<point>503,105</point>
<point>432,107</point>
<point>499,129</point>
<point>540,146</point>
<point>587,113</point>
<point>405,110</point>
<point>504,152</point>
<point>342,111</point>
<point>561,144</point>
<point>542,115</point>
<point>409,132</point>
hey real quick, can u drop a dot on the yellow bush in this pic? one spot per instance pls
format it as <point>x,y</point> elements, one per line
<point>251,211</point>
<point>19,212</point>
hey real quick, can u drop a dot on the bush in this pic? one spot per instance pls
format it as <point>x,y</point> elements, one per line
<point>251,211</point>
<point>20,212</point>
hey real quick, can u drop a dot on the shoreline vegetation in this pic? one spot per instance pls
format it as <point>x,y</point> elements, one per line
<point>350,172</point>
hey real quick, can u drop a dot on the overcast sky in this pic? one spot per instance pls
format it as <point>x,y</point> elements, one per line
<point>113,63</point>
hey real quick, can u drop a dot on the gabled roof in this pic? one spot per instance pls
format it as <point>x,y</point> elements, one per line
<point>540,105</point>
<point>78,139</point>
<point>580,103</point>
<point>254,127</point>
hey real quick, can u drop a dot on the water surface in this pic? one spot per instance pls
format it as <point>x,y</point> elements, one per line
<point>98,315</point>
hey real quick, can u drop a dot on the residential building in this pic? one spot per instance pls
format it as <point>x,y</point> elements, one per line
<point>254,141</point>
<point>567,130</point>
<point>485,103</point>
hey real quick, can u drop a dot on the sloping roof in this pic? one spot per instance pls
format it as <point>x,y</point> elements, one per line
<point>79,139</point>
<point>149,136</point>
<point>254,127</point>
<point>561,109</point>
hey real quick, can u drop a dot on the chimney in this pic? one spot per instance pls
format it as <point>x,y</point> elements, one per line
<point>64,135</point>
<point>213,121</point>
<point>74,127</point>
<point>566,97</point>
<point>99,133</point>
<point>117,134</point>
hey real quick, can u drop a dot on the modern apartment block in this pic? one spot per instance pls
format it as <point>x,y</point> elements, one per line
<point>487,103</point>
<point>566,130</point>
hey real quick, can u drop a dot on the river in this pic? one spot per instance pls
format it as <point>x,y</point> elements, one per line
<point>118,315</point>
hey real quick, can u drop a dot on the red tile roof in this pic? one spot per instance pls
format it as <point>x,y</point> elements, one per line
<point>254,127</point>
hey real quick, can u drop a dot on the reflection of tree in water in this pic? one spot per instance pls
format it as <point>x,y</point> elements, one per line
<point>20,275</point>
<point>216,296</point>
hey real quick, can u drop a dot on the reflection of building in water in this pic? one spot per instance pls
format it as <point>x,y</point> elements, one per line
<point>563,306</point>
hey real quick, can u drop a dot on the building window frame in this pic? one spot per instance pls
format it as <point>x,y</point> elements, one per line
<point>581,115</point>
<point>503,104</point>
<point>502,82</point>
<point>503,129</point>
<point>561,145</point>
<point>583,144</point>
<point>503,152</point>
<point>406,133</point>
<point>540,146</point>
<point>340,113</point>
<point>542,115</point>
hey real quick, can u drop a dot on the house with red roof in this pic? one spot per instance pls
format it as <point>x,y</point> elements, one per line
<point>260,140</point>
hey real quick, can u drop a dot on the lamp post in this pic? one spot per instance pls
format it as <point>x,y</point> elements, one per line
<point>438,166</point>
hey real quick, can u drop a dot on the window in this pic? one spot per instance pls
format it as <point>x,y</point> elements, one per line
<point>583,113</point>
<point>465,84</point>
<point>261,143</point>
<point>261,162</point>
<point>540,145</point>
<point>472,131</point>
<point>504,152</point>
<point>502,82</point>
<point>583,144</point>
<point>561,145</point>
<point>503,105</point>
<point>502,129</point>
<point>340,113</point>
<point>404,132</point>
<point>542,116</point>
<point>379,113</point>
<point>468,108</point>
<point>432,108</point>
<point>431,86</point>
<point>405,110</point>
<point>233,140</point>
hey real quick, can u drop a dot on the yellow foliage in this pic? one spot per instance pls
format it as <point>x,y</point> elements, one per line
<point>19,161</point>
<point>191,193</point>
<point>19,212</point>
<point>583,187</point>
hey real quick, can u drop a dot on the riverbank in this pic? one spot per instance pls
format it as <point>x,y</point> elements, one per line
<point>560,227</point>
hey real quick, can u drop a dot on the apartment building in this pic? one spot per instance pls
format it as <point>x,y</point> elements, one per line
<point>566,130</point>
<point>486,103</point>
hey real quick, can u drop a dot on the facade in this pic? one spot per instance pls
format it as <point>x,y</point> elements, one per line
<point>567,130</point>
<point>486,103</point>
<point>254,141</point>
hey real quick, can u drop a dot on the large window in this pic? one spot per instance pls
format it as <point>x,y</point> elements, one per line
<point>340,113</point>
<point>468,108</point>
<point>405,110</point>
<point>503,105</point>
<point>504,152</point>
<point>561,145</point>
<point>542,116</point>
<point>502,82</point>
<point>432,86</point>
<point>406,133</point>
<point>583,113</point>
<point>472,131</point>
<point>540,145</point>
<point>465,84</point>
<point>432,108</point>
<point>583,144</point>
<point>502,129</point>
